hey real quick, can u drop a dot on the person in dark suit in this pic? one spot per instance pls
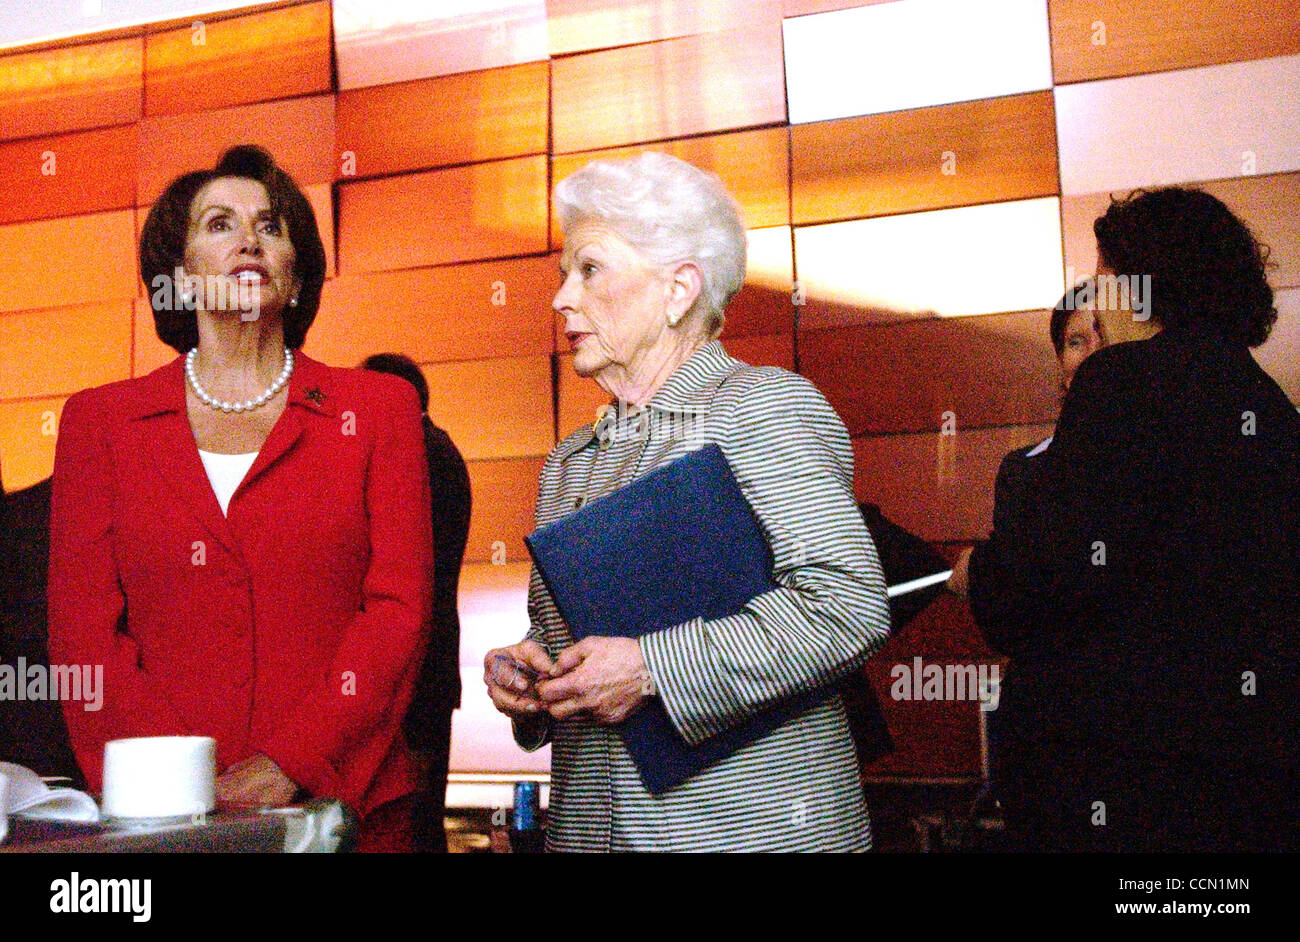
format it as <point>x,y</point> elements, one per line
<point>437,692</point>
<point>32,732</point>
<point>1075,335</point>
<point>1146,587</point>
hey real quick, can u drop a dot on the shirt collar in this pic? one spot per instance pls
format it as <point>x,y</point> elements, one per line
<point>687,390</point>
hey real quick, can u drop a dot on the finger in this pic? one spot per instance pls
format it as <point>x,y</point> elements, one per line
<point>535,656</point>
<point>494,661</point>
<point>490,657</point>
<point>563,688</point>
<point>565,709</point>
<point>505,674</point>
<point>571,657</point>
<point>512,704</point>
<point>504,699</point>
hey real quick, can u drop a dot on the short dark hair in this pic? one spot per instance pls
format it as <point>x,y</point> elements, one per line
<point>1068,304</point>
<point>162,243</point>
<point>402,366</point>
<point>1208,271</point>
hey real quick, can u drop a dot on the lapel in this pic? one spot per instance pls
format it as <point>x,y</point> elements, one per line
<point>309,392</point>
<point>157,416</point>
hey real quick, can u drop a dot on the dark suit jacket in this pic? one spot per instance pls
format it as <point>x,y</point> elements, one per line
<point>24,546</point>
<point>32,732</point>
<point>1141,653</point>
<point>438,689</point>
<point>1015,476</point>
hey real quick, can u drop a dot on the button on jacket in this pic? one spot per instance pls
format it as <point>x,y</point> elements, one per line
<point>292,627</point>
<point>798,787</point>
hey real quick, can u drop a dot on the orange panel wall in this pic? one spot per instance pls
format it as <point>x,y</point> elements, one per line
<point>1094,39</point>
<point>927,158</point>
<point>498,408</point>
<point>467,213</point>
<point>82,172</point>
<point>755,166</point>
<point>505,498</point>
<point>28,432</point>
<point>455,119</point>
<point>70,260</point>
<point>903,377</point>
<point>581,25</point>
<point>299,133</point>
<point>88,85</point>
<point>692,85</point>
<point>216,63</point>
<point>64,350</point>
<point>449,312</point>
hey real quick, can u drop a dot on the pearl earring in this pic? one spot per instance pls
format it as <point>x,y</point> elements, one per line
<point>293,302</point>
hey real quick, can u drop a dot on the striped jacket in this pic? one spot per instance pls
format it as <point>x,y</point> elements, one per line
<point>797,788</point>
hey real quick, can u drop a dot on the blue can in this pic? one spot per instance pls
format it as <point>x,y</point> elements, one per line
<point>527,806</point>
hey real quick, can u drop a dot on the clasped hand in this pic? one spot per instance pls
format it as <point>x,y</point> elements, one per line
<point>605,679</point>
<point>256,780</point>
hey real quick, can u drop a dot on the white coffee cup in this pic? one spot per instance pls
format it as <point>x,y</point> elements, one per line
<point>159,777</point>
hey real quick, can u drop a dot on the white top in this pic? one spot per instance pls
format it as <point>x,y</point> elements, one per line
<point>225,472</point>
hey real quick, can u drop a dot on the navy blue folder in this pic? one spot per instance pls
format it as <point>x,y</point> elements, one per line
<point>677,543</point>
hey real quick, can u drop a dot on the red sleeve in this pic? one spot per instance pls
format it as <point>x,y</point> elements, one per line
<point>383,646</point>
<point>86,600</point>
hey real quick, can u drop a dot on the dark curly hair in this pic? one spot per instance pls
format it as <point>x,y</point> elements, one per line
<point>1208,271</point>
<point>162,243</point>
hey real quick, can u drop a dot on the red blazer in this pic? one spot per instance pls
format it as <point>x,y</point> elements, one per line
<point>293,627</point>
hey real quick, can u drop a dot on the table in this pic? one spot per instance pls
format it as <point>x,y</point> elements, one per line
<point>320,827</point>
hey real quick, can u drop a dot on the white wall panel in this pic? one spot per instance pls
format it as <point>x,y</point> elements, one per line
<point>970,260</point>
<point>378,43</point>
<point>1177,127</point>
<point>914,53</point>
<point>493,613</point>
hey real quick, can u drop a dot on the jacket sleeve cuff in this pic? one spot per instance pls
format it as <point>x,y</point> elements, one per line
<point>315,773</point>
<point>698,705</point>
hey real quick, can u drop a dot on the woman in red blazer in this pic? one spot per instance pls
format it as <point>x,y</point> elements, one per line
<point>242,537</point>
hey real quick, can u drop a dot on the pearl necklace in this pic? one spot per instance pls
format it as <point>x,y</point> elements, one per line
<point>251,404</point>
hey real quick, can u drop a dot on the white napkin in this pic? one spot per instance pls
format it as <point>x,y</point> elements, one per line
<point>29,796</point>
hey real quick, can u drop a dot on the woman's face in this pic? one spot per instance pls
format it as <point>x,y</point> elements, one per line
<point>241,253</point>
<point>1082,340</point>
<point>612,299</point>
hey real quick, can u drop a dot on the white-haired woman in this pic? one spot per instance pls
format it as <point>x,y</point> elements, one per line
<point>654,249</point>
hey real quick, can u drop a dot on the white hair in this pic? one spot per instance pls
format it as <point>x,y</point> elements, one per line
<point>670,211</point>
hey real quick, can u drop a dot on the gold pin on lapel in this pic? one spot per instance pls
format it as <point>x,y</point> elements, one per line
<point>316,396</point>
